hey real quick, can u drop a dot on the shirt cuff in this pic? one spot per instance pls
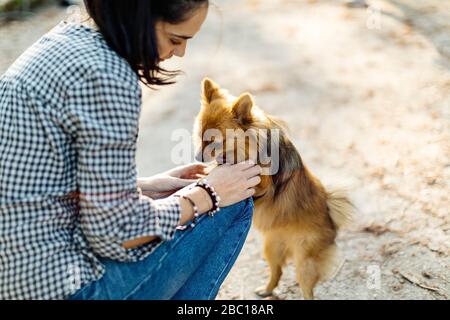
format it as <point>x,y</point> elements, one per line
<point>160,218</point>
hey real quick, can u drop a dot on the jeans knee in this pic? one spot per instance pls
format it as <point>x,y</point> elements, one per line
<point>243,210</point>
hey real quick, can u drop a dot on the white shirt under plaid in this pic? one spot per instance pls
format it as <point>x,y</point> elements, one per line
<point>69,114</point>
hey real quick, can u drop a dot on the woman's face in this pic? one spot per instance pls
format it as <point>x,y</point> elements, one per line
<point>172,38</point>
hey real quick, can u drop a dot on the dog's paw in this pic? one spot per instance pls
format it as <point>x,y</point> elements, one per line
<point>263,292</point>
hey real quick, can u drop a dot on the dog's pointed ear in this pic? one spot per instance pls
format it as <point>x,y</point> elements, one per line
<point>211,90</point>
<point>242,108</point>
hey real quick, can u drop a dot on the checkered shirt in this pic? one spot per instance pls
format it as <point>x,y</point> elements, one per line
<point>69,114</point>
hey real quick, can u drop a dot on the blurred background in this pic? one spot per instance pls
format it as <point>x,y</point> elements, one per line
<point>365,89</point>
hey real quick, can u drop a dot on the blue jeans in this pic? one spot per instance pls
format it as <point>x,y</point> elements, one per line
<point>192,266</point>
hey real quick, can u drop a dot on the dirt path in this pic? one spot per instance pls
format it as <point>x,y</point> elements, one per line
<point>367,96</point>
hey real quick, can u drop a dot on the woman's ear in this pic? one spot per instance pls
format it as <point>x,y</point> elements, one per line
<point>211,90</point>
<point>242,108</point>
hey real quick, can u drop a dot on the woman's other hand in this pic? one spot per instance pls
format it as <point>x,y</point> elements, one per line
<point>191,171</point>
<point>165,184</point>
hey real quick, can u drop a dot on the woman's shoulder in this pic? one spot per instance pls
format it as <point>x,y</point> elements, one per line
<point>89,51</point>
<point>68,54</point>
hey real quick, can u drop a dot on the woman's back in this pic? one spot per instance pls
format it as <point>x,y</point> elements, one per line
<point>43,253</point>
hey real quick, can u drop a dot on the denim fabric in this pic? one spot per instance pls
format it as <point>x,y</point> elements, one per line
<point>191,266</point>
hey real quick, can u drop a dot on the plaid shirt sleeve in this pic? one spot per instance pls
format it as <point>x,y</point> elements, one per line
<point>102,116</point>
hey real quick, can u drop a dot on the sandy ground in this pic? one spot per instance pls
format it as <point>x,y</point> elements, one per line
<point>367,96</point>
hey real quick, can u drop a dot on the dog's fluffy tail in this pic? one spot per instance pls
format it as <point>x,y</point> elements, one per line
<point>341,209</point>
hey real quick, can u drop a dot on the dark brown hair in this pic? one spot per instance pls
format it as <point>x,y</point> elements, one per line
<point>129,29</point>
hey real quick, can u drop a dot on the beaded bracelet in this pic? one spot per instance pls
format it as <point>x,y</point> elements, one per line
<point>203,183</point>
<point>196,213</point>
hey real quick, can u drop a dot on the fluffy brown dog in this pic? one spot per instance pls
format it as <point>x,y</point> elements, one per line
<point>298,218</point>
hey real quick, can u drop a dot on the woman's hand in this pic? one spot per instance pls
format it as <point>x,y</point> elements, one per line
<point>234,183</point>
<point>166,183</point>
<point>190,171</point>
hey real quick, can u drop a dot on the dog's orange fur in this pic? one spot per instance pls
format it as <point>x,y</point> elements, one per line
<point>298,218</point>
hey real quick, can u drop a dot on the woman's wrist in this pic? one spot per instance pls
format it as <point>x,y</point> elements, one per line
<point>212,194</point>
<point>201,199</point>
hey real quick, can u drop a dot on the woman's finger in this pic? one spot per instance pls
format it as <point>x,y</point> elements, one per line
<point>253,181</point>
<point>191,171</point>
<point>249,192</point>
<point>252,172</point>
<point>244,165</point>
<point>198,167</point>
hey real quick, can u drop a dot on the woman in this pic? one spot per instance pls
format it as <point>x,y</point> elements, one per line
<point>75,222</point>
